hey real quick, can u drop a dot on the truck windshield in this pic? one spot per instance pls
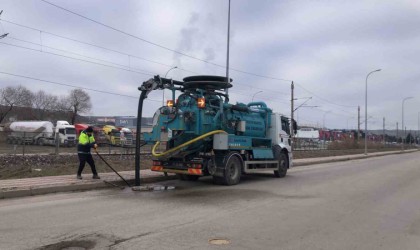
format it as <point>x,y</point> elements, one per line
<point>70,131</point>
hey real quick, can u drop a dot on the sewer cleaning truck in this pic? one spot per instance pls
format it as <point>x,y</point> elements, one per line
<point>204,134</point>
<point>41,133</point>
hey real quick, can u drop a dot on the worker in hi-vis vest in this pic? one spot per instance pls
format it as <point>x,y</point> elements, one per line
<point>86,142</point>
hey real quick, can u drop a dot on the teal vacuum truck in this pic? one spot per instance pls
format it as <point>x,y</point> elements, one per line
<point>205,135</point>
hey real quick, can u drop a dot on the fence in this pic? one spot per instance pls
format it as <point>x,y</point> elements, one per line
<point>27,143</point>
<point>301,144</point>
<point>22,143</point>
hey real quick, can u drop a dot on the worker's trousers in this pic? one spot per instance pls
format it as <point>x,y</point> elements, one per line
<point>83,158</point>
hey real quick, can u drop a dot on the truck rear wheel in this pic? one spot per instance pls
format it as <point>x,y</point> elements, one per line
<point>283,159</point>
<point>233,170</point>
<point>40,142</point>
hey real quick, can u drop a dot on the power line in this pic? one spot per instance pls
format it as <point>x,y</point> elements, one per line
<point>74,58</point>
<point>123,32</point>
<point>94,45</point>
<point>130,55</point>
<point>74,86</point>
<point>160,46</point>
<point>325,100</point>
<point>74,53</point>
<point>66,51</point>
<point>43,51</point>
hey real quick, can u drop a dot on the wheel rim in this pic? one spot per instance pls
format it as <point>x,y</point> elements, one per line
<point>233,169</point>
<point>282,163</point>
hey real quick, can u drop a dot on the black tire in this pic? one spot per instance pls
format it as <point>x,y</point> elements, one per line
<point>283,159</point>
<point>233,169</point>
<point>187,177</point>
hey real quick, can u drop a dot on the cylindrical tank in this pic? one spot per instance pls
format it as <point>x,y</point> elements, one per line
<point>32,126</point>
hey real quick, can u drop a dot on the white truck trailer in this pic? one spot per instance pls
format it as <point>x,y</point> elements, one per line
<point>41,133</point>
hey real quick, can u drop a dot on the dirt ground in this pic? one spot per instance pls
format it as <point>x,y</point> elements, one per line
<point>12,167</point>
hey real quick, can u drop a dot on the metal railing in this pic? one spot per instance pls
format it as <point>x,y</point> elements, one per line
<point>26,143</point>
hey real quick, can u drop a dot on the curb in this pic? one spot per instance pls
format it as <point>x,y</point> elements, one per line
<point>32,191</point>
<point>350,157</point>
<point>15,193</point>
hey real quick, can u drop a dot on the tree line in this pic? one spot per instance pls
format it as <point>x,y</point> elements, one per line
<point>42,103</point>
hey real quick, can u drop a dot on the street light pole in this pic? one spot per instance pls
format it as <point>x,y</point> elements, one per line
<point>402,124</point>
<point>163,91</point>
<point>366,108</point>
<point>255,94</point>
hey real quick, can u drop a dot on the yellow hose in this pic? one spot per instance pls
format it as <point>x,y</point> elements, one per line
<point>184,144</point>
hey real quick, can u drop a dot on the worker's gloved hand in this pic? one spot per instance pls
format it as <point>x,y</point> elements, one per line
<point>95,146</point>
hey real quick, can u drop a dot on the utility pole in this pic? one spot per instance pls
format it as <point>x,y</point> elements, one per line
<point>227,52</point>
<point>358,122</point>
<point>397,132</point>
<point>291,115</point>
<point>384,130</point>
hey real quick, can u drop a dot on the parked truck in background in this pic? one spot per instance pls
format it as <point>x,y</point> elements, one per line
<point>112,134</point>
<point>41,133</point>
<point>126,137</point>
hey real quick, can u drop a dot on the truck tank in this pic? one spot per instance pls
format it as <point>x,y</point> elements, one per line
<point>32,126</point>
<point>202,108</point>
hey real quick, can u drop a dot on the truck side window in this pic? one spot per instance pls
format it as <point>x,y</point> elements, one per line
<point>61,131</point>
<point>285,125</point>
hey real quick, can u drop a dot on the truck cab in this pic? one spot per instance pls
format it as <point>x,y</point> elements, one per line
<point>112,134</point>
<point>126,136</point>
<point>66,133</point>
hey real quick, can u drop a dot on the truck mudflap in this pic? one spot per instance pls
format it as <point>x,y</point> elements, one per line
<point>190,171</point>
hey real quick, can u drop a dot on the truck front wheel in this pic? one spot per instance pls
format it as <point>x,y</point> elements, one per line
<point>283,164</point>
<point>40,142</point>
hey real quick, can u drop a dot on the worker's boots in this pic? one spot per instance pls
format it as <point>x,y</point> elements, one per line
<point>79,177</point>
<point>96,177</point>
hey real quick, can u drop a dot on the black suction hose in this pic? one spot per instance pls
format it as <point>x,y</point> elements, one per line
<point>138,133</point>
<point>100,156</point>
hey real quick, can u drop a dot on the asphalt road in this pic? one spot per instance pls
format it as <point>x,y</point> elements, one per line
<point>362,204</point>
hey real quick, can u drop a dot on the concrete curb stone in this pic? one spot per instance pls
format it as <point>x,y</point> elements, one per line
<point>14,192</point>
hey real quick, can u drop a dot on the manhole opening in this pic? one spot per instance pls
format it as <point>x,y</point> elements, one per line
<point>219,241</point>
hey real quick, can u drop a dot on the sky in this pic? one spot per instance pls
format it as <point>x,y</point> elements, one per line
<point>327,48</point>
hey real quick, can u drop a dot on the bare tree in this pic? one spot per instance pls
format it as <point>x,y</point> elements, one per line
<point>63,108</point>
<point>43,103</point>
<point>79,101</point>
<point>11,97</point>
